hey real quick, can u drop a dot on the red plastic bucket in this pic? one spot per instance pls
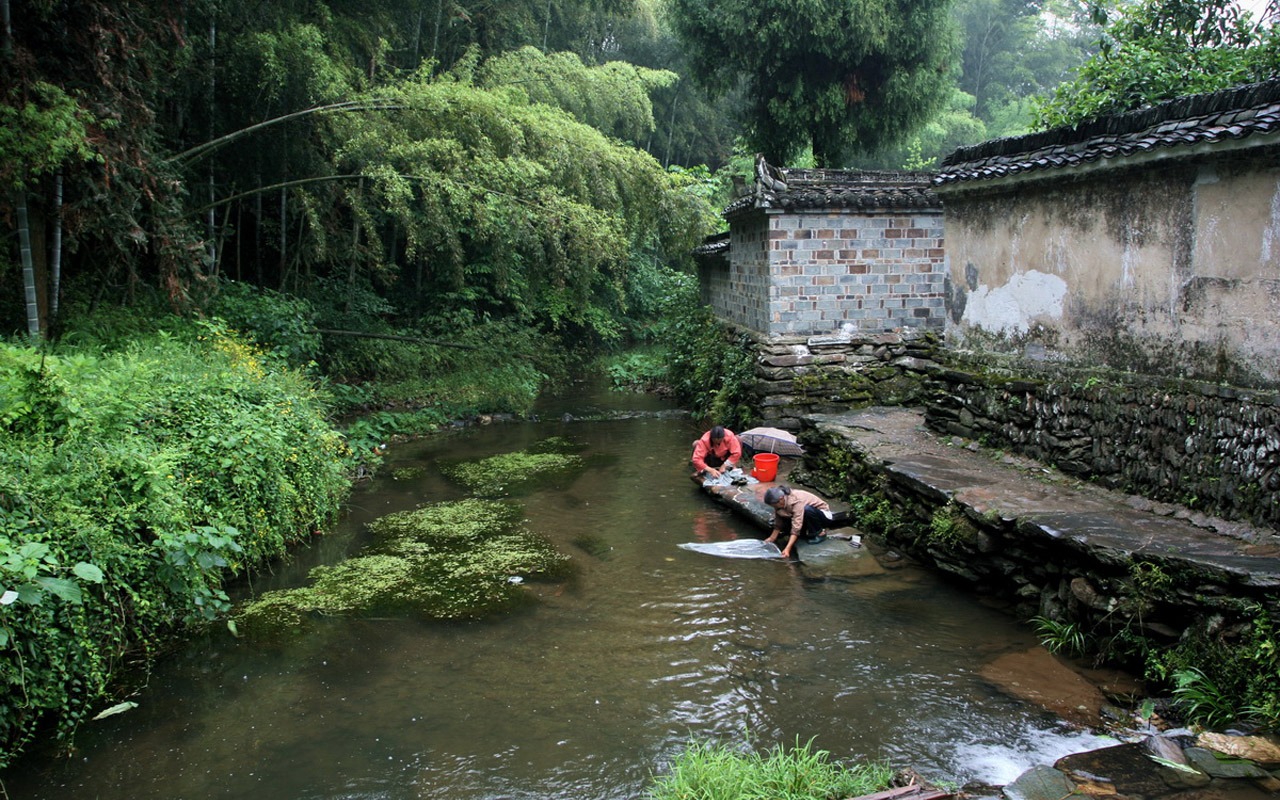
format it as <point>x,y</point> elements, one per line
<point>766,467</point>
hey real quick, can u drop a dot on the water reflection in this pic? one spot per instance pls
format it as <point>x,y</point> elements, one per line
<point>602,682</point>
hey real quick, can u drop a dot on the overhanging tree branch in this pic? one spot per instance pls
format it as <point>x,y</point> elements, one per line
<point>205,148</point>
<point>355,176</point>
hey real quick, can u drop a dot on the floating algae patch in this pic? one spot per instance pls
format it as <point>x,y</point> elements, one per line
<point>471,518</point>
<point>479,538</point>
<point>501,474</point>
<point>279,614</point>
<point>593,544</point>
<point>457,560</point>
<point>408,473</point>
<point>555,444</point>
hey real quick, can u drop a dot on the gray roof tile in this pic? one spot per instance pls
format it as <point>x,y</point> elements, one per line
<point>1236,113</point>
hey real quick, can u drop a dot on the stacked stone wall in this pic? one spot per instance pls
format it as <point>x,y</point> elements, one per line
<point>1208,447</point>
<point>800,375</point>
<point>1116,597</point>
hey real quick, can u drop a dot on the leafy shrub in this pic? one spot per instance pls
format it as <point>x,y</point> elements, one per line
<point>638,370</point>
<point>281,322</point>
<point>712,374</point>
<point>131,484</point>
<point>1219,680</point>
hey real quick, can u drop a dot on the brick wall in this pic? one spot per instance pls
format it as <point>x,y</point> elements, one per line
<point>872,271</point>
<point>826,272</point>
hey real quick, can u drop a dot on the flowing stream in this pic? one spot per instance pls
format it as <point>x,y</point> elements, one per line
<point>600,683</point>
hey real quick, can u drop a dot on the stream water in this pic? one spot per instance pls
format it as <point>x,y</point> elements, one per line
<point>599,684</point>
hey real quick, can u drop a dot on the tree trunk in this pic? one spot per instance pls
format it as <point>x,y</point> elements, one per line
<point>55,257</point>
<point>6,46</point>
<point>435,36</point>
<point>259,217</point>
<point>355,244</point>
<point>28,267</point>
<point>284,238</point>
<point>211,231</point>
<point>546,27</point>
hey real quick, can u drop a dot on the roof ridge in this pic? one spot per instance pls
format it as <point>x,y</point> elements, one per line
<point>1239,98</point>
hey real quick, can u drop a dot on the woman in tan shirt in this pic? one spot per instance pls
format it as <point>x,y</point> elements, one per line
<point>802,514</point>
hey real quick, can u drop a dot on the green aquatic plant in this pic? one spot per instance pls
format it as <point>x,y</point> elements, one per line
<point>554,444</point>
<point>499,475</point>
<point>458,560</point>
<point>716,772</point>
<point>469,518</point>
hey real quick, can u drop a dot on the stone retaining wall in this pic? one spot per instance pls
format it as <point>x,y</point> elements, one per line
<point>800,375</point>
<point>1125,600</point>
<point>1208,447</point>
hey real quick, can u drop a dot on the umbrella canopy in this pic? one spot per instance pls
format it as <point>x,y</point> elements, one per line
<point>771,440</point>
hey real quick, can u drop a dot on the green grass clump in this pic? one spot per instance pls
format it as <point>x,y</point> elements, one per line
<point>501,474</point>
<point>715,772</point>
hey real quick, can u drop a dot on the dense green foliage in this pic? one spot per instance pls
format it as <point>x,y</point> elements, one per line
<point>716,772</point>
<point>132,484</point>
<point>297,149</point>
<point>1156,50</point>
<point>832,75</point>
<point>1217,683</point>
<point>711,371</point>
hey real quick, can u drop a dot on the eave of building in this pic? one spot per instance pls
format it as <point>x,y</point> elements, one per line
<point>1085,169</point>
<point>1245,118</point>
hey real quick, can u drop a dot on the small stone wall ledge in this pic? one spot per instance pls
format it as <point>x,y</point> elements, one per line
<point>1050,544</point>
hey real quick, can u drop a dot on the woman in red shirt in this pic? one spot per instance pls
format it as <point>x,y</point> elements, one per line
<point>718,450</point>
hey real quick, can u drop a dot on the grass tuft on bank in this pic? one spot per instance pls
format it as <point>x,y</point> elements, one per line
<point>716,772</point>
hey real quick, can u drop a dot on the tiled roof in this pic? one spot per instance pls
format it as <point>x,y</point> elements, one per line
<point>799,189</point>
<point>1196,119</point>
<point>714,245</point>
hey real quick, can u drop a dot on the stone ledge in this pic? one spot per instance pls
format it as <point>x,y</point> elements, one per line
<point>1040,538</point>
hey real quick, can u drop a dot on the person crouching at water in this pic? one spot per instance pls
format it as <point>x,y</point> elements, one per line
<point>718,450</point>
<point>802,514</point>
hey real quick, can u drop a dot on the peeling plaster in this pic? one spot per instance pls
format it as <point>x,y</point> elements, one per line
<point>1013,307</point>
<point>1271,233</point>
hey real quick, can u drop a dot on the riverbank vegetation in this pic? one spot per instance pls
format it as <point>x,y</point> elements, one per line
<point>133,483</point>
